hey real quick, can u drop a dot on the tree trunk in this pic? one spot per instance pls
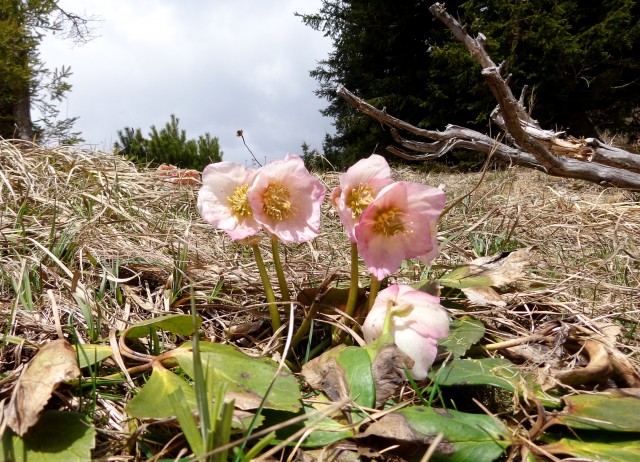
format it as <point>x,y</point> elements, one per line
<point>22,116</point>
<point>524,142</point>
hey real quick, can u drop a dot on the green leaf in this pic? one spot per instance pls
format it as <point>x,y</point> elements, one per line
<point>496,372</point>
<point>428,286</point>
<point>151,401</point>
<point>180,324</point>
<point>459,279</point>
<point>187,421</point>
<point>465,332</point>
<point>613,410</point>
<point>474,437</point>
<point>322,431</point>
<point>597,446</point>
<point>357,370</point>
<point>244,374</point>
<point>90,354</point>
<point>57,437</point>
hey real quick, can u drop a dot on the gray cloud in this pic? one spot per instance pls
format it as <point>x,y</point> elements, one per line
<point>219,66</point>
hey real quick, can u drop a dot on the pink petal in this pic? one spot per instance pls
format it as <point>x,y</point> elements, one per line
<point>419,207</point>
<point>219,182</point>
<point>372,173</point>
<point>305,194</point>
<point>423,350</point>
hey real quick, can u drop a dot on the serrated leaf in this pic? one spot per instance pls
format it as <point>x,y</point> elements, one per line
<point>151,402</point>
<point>613,410</point>
<point>181,324</point>
<point>244,374</point>
<point>473,437</point>
<point>496,372</point>
<point>90,354</point>
<point>57,437</point>
<point>463,334</point>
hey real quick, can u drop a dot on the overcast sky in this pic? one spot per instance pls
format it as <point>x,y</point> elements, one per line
<point>219,66</point>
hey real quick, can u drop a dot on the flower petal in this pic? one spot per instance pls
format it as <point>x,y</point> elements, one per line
<point>359,185</point>
<point>423,350</point>
<point>399,224</point>
<point>219,183</point>
<point>286,199</point>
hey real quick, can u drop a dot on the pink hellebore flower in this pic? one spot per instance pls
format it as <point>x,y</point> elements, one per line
<point>222,200</point>
<point>399,224</point>
<point>417,322</point>
<point>286,198</point>
<point>359,186</point>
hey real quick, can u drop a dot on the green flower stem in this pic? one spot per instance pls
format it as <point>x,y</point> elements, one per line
<point>282,281</point>
<point>373,291</point>
<point>352,299</point>
<point>268,290</point>
<point>386,327</point>
<point>339,335</point>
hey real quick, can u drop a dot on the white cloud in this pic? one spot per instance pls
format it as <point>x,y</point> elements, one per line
<point>219,66</point>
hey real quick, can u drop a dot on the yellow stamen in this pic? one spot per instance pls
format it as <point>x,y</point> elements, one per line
<point>276,203</point>
<point>240,203</point>
<point>359,199</point>
<point>389,222</point>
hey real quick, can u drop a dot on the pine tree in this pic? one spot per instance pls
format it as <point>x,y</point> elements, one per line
<point>168,145</point>
<point>24,80</point>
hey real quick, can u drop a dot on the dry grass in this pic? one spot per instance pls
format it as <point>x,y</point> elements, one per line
<point>94,225</point>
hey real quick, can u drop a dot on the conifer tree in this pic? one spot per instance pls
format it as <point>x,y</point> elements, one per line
<point>24,80</point>
<point>168,145</point>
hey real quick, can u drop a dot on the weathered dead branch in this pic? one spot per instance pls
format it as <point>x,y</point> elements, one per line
<point>524,142</point>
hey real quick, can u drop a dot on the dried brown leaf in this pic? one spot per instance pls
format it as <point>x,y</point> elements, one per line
<point>324,373</point>
<point>503,268</point>
<point>388,371</point>
<point>53,364</point>
<point>394,430</point>
<point>484,296</point>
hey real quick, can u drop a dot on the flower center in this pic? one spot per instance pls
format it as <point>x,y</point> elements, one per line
<point>359,199</point>
<point>240,203</point>
<point>276,203</point>
<point>390,222</point>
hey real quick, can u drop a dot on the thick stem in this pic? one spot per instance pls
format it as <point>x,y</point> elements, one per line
<point>282,281</point>
<point>352,299</point>
<point>268,290</point>
<point>373,291</point>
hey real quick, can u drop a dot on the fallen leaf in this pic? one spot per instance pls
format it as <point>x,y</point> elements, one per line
<point>598,370</point>
<point>503,268</point>
<point>388,372</point>
<point>497,270</point>
<point>624,372</point>
<point>394,430</point>
<point>54,363</point>
<point>484,296</point>
<point>324,373</point>
<point>333,299</point>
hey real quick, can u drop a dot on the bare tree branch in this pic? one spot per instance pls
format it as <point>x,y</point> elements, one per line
<point>525,142</point>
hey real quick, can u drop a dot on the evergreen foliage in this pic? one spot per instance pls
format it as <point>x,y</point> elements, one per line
<point>25,82</point>
<point>581,62</point>
<point>169,145</point>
